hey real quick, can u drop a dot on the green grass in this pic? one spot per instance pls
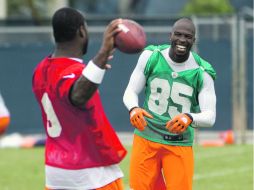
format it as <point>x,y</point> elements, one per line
<point>216,168</point>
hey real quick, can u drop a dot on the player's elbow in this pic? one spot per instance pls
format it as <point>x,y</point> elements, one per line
<point>130,99</point>
<point>125,98</point>
<point>211,118</point>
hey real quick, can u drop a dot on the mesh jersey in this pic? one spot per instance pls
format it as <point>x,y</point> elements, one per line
<point>168,93</point>
<point>76,138</point>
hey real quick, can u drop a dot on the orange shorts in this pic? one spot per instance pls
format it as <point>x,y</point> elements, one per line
<point>115,185</point>
<point>155,166</point>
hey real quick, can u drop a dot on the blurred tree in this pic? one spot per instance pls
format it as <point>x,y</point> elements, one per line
<point>35,13</point>
<point>207,8</point>
<point>28,9</point>
<point>35,10</point>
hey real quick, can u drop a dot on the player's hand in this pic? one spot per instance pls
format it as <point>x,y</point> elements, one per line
<point>179,123</point>
<point>107,47</point>
<point>108,37</point>
<point>137,118</point>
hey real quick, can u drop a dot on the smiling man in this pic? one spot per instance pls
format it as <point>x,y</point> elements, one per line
<point>179,96</point>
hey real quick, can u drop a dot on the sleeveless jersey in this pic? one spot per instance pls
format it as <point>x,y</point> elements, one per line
<point>76,138</point>
<point>168,93</point>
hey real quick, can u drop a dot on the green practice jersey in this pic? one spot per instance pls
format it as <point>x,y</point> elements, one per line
<point>169,93</point>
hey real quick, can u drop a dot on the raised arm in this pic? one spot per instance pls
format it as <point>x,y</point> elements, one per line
<point>93,73</point>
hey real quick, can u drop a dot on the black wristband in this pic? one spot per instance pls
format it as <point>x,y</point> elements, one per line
<point>132,109</point>
<point>189,115</point>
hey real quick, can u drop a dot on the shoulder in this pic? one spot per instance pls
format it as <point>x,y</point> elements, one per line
<point>152,51</point>
<point>205,65</point>
<point>38,71</point>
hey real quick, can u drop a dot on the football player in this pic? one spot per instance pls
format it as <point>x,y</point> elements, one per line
<point>179,96</point>
<point>82,148</point>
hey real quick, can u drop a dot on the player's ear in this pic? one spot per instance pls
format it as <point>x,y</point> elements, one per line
<point>194,40</point>
<point>81,34</point>
<point>170,34</point>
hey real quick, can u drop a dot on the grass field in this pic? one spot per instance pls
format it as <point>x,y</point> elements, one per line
<point>216,168</point>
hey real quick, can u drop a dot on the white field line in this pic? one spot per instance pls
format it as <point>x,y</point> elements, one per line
<point>218,174</point>
<point>221,173</point>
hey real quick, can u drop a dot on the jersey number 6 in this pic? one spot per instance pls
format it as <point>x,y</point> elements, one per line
<point>53,125</point>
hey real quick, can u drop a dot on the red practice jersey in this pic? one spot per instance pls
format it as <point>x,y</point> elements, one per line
<point>76,138</point>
